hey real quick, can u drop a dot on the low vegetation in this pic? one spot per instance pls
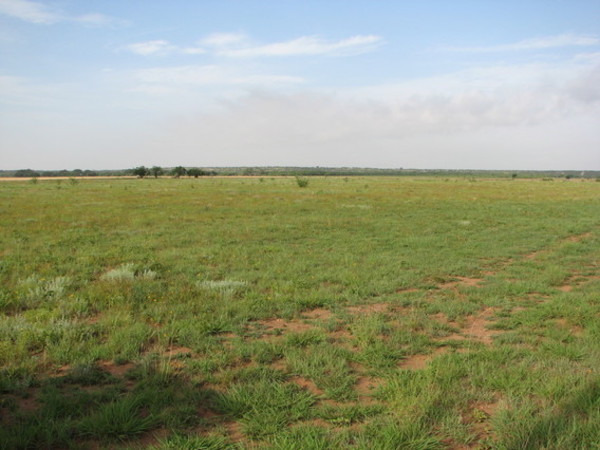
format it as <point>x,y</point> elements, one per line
<point>357,312</point>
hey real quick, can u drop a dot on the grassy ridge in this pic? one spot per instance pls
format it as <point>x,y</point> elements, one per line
<point>365,312</point>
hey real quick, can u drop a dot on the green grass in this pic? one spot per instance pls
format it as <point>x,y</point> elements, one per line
<point>248,313</point>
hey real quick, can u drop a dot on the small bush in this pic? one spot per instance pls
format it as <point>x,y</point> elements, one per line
<point>301,182</point>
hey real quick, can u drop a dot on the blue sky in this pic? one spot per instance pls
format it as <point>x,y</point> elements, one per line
<point>414,84</point>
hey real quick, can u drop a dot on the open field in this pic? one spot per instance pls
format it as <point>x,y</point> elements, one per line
<point>371,313</point>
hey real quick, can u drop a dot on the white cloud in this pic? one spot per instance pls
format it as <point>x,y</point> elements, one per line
<point>193,50</point>
<point>95,19</point>
<point>29,11</point>
<point>238,45</point>
<point>541,43</point>
<point>223,39</point>
<point>160,47</point>
<point>40,13</point>
<point>562,40</point>
<point>308,45</point>
<point>157,47</point>
<point>182,78</point>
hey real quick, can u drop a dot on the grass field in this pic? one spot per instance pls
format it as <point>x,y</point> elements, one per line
<point>371,313</point>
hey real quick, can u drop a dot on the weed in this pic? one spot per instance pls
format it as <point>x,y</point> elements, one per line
<point>119,420</point>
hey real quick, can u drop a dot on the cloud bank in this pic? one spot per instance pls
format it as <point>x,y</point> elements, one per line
<point>235,45</point>
<point>540,43</point>
<point>546,118</point>
<point>43,14</point>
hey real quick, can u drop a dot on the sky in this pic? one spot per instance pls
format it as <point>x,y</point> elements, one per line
<point>506,85</point>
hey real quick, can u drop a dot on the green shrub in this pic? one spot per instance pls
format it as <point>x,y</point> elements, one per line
<point>302,182</point>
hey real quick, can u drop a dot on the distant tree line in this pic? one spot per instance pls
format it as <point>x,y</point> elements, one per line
<point>29,173</point>
<point>176,172</point>
<point>180,171</point>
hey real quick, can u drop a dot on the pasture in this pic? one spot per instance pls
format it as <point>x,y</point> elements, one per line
<point>359,312</point>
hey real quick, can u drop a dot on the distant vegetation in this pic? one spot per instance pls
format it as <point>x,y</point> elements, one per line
<point>181,171</point>
<point>29,173</point>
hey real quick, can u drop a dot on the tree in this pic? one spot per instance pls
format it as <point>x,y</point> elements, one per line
<point>26,173</point>
<point>195,172</point>
<point>179,171</point>
<point>156,171</point>
<point>141,171</point>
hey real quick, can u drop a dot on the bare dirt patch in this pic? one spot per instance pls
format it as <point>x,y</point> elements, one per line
<point>476,327</point>
<point>478,419</point>
<point>280,365</point>
<point>575,330</point>
<point>578,237</point>
<point>537,297</point>
<point>370,308</point>
<point>173,352</point>
<point>533,255</point>
<point>461,282</point>
<point>575,281</point>
<point>341,334</point>
<point>116,370</point>
<point>62,371</point>
<point>443,319</point>
<point>313,423</point>
<point>307,384</point>
<point>94,319</point>
<point>28,404</point>
<point>365,386</point>
<point>318,314</point>
<point>406,290</point>
<point>285,325</point>
<point>565,288</point>
<point>234,430</point>
<point>420,361</point>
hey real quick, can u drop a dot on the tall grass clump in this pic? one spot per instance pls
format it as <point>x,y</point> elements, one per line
<point>125,272</point>
<point>118,420</point>
<point>226,288</point>
<point>35,290</point>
